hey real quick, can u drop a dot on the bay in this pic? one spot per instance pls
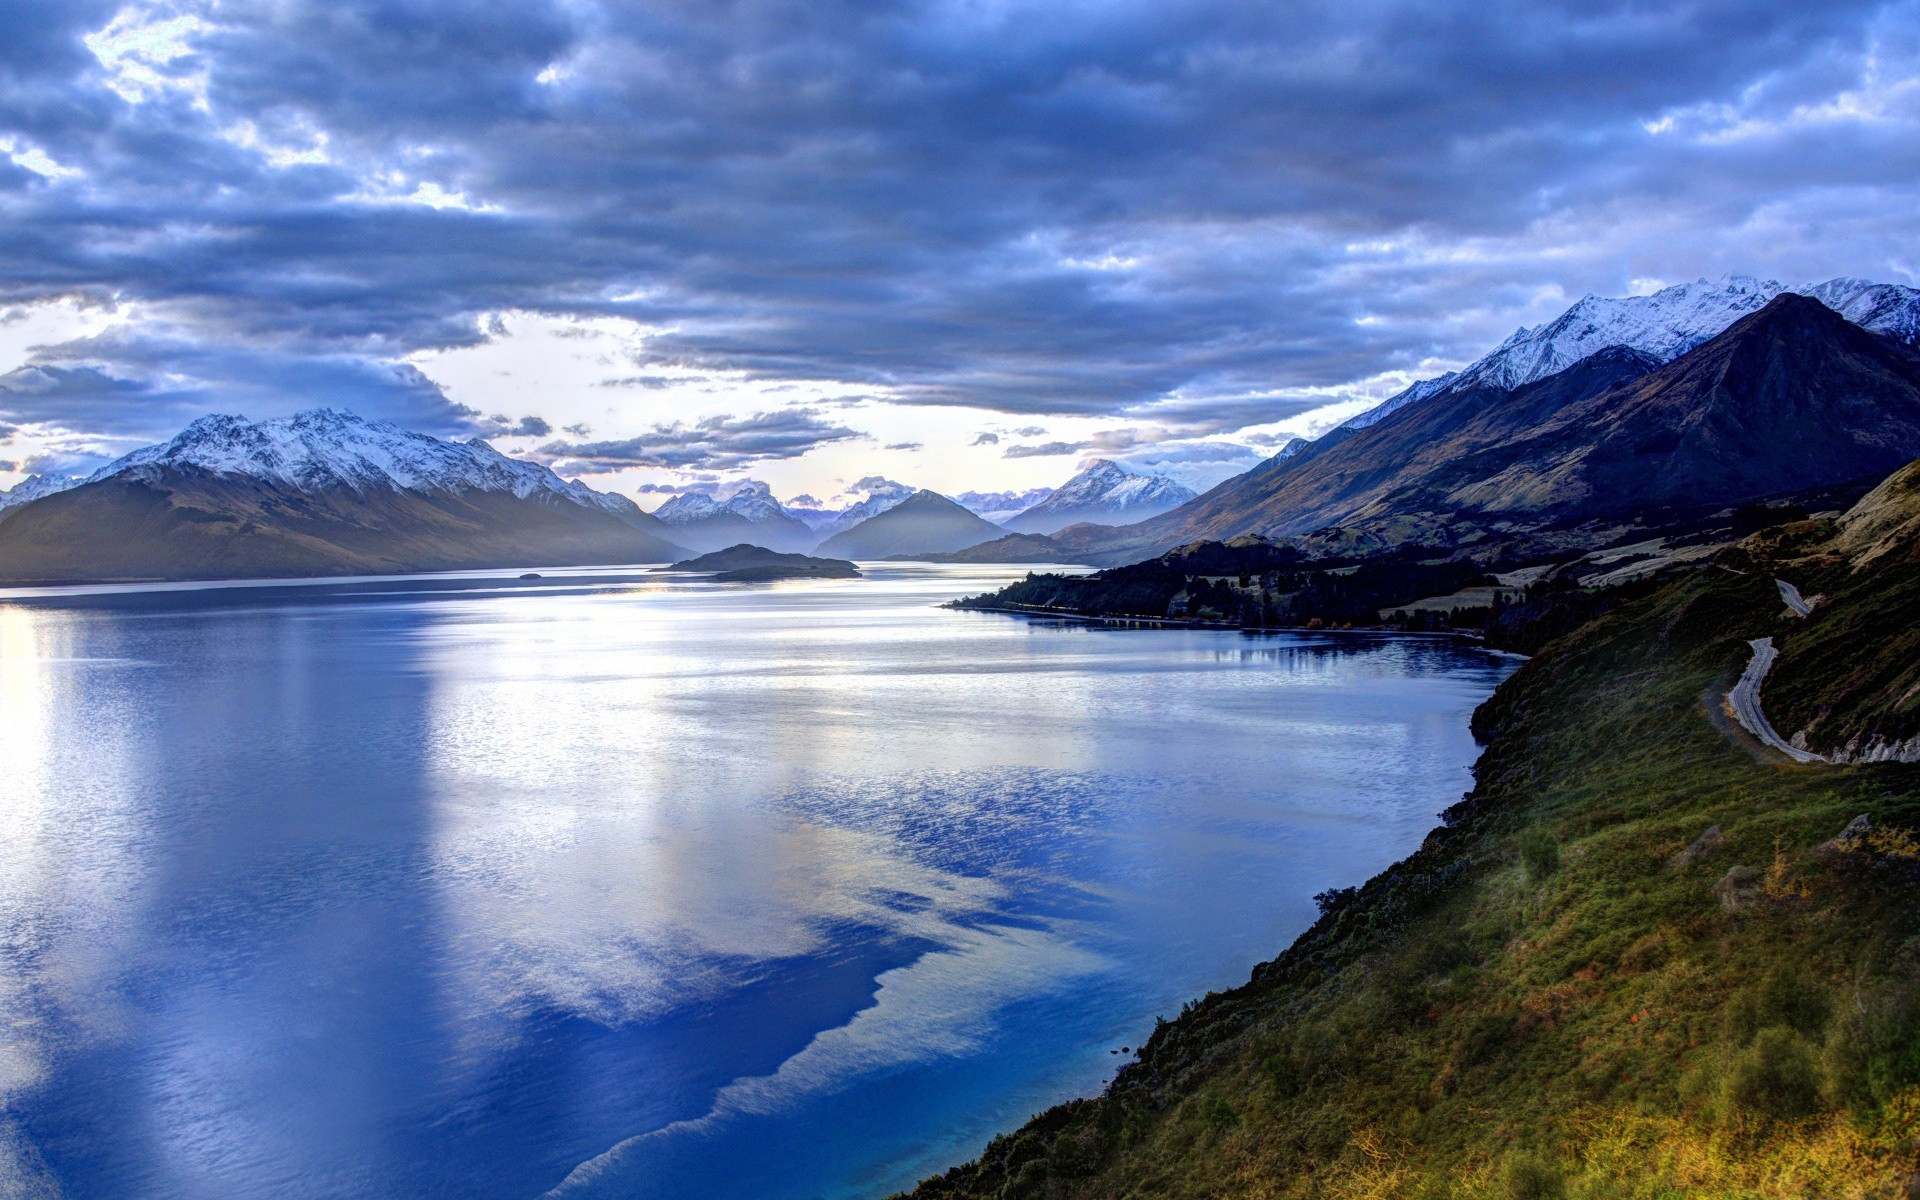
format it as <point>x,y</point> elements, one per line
<point>607,884</point>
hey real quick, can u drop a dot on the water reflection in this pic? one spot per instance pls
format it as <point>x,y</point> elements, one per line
<point>464,887</point>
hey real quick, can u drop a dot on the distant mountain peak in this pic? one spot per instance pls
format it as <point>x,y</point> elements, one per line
<point>1662,325</point>
<point>879,494</point>
<point>1106,492</point>
<point>1001,506</point>
<point>324,448</point>
<point>924,523</point>
<point>748,498</point>
<point>372,498</point>
<point>35,486</point>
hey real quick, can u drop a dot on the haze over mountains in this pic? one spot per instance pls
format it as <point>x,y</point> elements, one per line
<point>1617,416</point>
<point>924,523</point>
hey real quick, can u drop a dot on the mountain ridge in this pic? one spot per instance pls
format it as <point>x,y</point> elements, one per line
<point>1102,491</point>
<point>744,513</point>
<point>1662,325</point>
<point>320,493</point>
<point>1616,439</point>
<point>924,523</point>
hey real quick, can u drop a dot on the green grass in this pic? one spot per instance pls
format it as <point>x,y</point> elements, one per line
<point>1543,1001</point>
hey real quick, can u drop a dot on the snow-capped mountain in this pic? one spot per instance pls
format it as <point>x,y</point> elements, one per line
<point>742,512</point>
<point>319,493</point>
<point>1663,326</point>
<point>1412,395</point>
<point>750,499</point>
<point>881,494</point>
<point>1104,492</point>
<point>324,448</point>
<point>33,487</point>
<point>1000,507</point>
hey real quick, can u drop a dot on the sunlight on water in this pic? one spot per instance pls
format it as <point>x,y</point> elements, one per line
<point>614,886</point>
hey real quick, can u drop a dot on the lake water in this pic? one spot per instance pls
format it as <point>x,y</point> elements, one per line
<point>609,886</point>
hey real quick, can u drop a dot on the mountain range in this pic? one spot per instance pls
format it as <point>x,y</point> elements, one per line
<point>1103,492</point>
<point>1001,507</point>
<point>320,493</point>
<point>1790,398</point>
<point>745,513</point>
<point>1621,416</point>
<point>1662,325</point>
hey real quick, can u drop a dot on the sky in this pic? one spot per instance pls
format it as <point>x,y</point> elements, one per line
<point>963,244</point>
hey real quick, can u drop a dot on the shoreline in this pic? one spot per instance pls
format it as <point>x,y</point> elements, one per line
<point>1069,616</point>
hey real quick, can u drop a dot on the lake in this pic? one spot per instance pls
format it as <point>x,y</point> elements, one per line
<point>609,885</point>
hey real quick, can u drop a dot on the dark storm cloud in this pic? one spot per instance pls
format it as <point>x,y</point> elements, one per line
<point>715,443</point>
<point>147,387</point>
<point>1039,208</point>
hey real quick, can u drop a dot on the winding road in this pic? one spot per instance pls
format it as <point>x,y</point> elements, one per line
<point>1744,701</point>
<point>1801,606</point>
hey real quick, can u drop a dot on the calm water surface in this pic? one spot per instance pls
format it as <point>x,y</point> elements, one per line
<point>604,886</point>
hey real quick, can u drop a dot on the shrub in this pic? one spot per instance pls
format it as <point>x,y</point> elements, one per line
<point>1531,1176</point>
<point>1487,1036</point>
<point>1773,1077</point>
<point>1539,852</point>
<point>1782,997</point>
<point>1872,1051</point>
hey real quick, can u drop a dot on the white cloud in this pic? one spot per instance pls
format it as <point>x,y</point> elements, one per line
<point>34,159</point>
<point>279,154</point>
<point>389,187</point>
<point>135,46</point>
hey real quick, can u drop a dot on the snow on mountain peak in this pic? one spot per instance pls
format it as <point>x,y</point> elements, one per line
<point>324,448</point>
<point>748,498</point>
<point>1000,506</point>
<point>1112,490</point>
<point>33,487</point>
<point>1662,325</point>
<point>881,494</point>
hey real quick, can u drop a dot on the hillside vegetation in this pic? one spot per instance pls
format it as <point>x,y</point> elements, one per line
<point>1639,959</point>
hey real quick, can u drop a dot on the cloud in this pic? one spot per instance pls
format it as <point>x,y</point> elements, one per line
<point>1202,453</point>
<point>1214,206</point>
<point>498,426</point>
<point>1044,450</point>
<point>906,445</point>
<point>986,439</point>
<point>145,386</point>
<point>714,443</point>
<point>656,383</point>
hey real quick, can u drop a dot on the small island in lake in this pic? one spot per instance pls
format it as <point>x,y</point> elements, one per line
<point>747,563</point>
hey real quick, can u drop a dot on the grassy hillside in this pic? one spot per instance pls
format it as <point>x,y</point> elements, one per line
<point>1628,966</point>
